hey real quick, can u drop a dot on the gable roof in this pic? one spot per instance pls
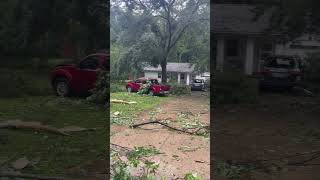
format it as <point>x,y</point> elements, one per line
<point>173,67</point>
<point>239,19</point>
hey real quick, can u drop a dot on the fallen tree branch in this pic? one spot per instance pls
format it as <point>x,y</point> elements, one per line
<point>122,101</point>
<point>31,125</point>
<point>77,129</point>
<point>29,176</point>
<point>315,155</point>
<point>170,127</point>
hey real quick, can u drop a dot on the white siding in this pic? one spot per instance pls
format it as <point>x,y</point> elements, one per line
<point>149,74</point>
<point>304,42</point>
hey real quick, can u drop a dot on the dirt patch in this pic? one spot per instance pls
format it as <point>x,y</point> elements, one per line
<point>276,127</point>
<point>181,153</point>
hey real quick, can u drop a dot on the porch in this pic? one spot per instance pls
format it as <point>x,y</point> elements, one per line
<point>241,53</point>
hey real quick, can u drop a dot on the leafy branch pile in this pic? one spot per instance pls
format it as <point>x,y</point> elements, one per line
<point>123,167</point>
<point>100,94</point>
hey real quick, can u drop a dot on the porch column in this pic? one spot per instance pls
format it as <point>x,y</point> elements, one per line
<point>188,79</point>
<point>178,78</point>
<point>220,54</point>
<point>249,56</point>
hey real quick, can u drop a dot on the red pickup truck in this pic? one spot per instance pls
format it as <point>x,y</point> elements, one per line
<point>154,89</point>
<point>78,78</point>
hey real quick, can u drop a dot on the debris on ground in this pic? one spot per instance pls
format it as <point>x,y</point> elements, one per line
<point>122,101</point>
<point>163,123</point>
<point>302,91</point>
<point>20,163</point>
<point>117,113</point>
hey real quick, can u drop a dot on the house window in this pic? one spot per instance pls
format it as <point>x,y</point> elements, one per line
<point>159,75</point>
<point>232,48</point>
<point>182,76</point>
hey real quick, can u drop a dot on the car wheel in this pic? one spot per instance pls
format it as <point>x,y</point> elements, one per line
<point>62,87</point>
<point>129,89</point>
<point>151,93</point>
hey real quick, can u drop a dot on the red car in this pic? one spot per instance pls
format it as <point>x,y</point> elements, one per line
<point>78,78</point>
<point>155,88</point>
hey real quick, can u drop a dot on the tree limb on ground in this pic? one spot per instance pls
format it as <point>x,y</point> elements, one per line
<point>31,125</point>
<point>39,127</point>
<point>122,101</point>
<point>170,127</point>
<point>30,176</point>
<point>314,155</point>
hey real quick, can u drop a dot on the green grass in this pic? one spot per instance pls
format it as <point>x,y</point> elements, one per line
<point>129,112</point>
<point>19,83</point>
<point>55,153</point>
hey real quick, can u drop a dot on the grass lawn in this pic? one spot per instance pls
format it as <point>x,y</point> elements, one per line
<point>129,112</point>
<point>54,153</point>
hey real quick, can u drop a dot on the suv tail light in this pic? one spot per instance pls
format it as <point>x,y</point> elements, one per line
<point>295,72</point>
<point>265,72</point>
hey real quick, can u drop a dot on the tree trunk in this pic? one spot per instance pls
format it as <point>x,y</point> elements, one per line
<point>164,70</point>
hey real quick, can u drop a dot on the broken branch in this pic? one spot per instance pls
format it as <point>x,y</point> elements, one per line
<point>166,125</point>
<point>31,125</point>
<point>122,101</point>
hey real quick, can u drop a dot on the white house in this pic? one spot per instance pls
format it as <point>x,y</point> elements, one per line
<point>176,72</point>
<point>302,46</point>
<point>205,76</point>
<point>242,39</point>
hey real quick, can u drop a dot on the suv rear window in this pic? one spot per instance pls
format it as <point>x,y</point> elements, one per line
<point>197,81</point>
<point>280,62</point>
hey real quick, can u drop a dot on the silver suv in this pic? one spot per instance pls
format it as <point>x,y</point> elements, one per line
<point>197,84</point>
<point>281,71</point>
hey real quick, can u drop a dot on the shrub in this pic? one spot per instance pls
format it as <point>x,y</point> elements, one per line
<point>231,88</point>
<point>179,89</point>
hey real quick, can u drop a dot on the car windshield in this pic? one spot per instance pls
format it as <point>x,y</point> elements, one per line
<point>280,62</point>
<point>154,81</point>
<point>197,81</point>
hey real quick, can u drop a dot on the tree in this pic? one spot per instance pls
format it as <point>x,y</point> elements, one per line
<point>38,28</point>
<point>292,18</point>
<point>162,23</point>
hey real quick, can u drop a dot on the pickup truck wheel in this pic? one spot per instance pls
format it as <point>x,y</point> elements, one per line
<point>62,87</point>
<point>151,93</point>
<point>129,89</point>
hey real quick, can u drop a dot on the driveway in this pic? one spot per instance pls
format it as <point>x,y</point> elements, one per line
<point>181,153</point>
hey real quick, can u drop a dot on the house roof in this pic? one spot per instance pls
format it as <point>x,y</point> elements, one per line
<point>173,67</point>
<point>239,19</point>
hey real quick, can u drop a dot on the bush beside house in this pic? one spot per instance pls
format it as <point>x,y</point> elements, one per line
<point>231,88</point>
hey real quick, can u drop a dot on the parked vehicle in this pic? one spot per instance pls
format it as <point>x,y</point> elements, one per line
<point>281,72</point>
<point>155,87</point>
<point>197,84</point>
<point>78,79</point>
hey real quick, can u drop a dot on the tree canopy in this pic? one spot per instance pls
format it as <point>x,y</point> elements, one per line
<point>41,28</point>
<point>292,17</point>
<point>157,32</point>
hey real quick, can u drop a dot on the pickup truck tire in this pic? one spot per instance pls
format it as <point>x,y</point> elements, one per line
<point>61,87</point>
<point>151,93</point>
<point>129,89</point>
